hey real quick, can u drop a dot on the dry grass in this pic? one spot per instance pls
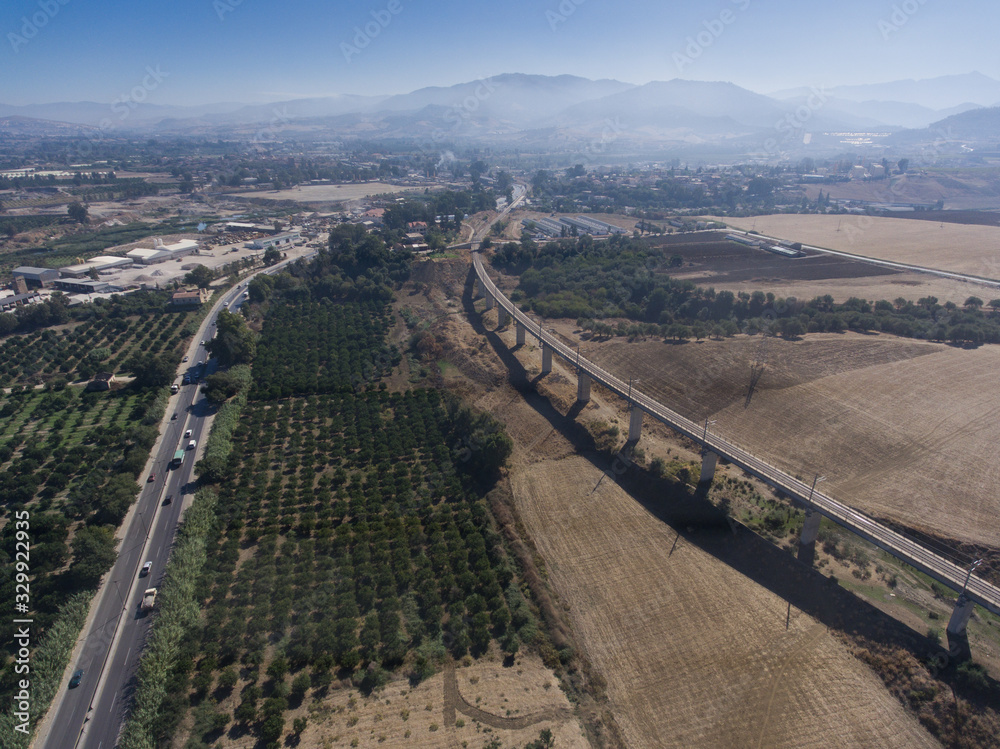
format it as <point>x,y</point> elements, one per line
<point>694,653</point>
<point>330,193</point>
<point>974,250</point>
<point>900,428</point>
<point>403,716</point>
<point>910,286</point>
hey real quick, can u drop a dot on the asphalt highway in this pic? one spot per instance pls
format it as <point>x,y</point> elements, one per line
<point>91,715</point>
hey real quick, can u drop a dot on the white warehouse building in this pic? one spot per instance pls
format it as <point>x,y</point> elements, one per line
<point>101,263</point>
<point>278,240</point>
<point>162,252</point>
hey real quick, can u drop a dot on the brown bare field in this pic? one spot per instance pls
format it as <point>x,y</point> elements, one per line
<point>693,652</point>
<point>961,248</point>
<point>910,286</point>
<point>329,193</point>
<point>711,261</point>
<point>901,429</point>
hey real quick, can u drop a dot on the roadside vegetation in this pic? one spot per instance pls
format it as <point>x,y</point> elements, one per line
<point>48,663</point>
<point>353,543</point>
<point>626,278</point>
<point>177,614</point>
<point>70,457</point>
<point>75,342</point>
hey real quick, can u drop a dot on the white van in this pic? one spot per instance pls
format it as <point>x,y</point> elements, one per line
<point>192,445</point>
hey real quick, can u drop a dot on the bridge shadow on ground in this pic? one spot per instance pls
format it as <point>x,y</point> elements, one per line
<point>701,523</point>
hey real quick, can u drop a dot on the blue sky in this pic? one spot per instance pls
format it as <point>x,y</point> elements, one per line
<point>261,50</point>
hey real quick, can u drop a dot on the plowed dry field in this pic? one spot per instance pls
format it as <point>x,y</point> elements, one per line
<point>901,429</point>
<point>694,653</point>
<point>954,247</point>
<point>695,641</point>
<point>712,261</point>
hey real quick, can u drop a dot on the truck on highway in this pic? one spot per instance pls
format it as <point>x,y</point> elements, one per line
<point>148,599</point>
<point>178,458</point>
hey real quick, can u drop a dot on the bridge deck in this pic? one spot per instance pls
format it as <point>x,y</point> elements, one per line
<point>901,547</point>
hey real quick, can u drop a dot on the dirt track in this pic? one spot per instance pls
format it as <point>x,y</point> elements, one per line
<point>455,702</point>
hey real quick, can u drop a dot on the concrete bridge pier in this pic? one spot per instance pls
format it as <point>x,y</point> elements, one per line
<point>708,462</point>
<point>583,387</point>
<point>502,317</point>
<point>635,425</point>
<point>546,359</point>
<point>810,529</point>
<point>519,331</point>
<point>490,301</point>
<point>960,617</point>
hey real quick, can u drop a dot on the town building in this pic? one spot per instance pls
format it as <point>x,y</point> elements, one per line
<point>102,381</point>
<point>101,264</point>
<point>80,286</point>
<point>278,240</point>
<point>8,303</point>
<point>188,298</point>
<point>140,256</point>
<point>37,277</point>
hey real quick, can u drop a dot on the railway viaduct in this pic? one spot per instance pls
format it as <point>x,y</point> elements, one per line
<point>972,590</point>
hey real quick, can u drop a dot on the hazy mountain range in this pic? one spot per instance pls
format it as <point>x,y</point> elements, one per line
<point>540,108</point>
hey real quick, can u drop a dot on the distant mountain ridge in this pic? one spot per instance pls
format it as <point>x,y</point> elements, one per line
<point>939,93</point>
<point>978,124</point>
<point>542,107</point>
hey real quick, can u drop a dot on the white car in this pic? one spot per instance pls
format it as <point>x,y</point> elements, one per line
<point>192,445</point>
<point>145,569</point>
<point>187,433</point>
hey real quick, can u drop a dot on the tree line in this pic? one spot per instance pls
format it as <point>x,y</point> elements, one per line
<point>627,278</point>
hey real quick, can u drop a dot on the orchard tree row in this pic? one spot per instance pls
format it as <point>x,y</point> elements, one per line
<point>361,555</point>
<point>352,540</point>
<point>99,343</point>
<point>322,347</point>
<point>70,458</point>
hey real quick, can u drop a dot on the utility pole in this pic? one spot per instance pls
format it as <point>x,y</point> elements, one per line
<point>813,487</point>
<point>704,434</point>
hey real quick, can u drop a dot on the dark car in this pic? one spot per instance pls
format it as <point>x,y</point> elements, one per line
<point>151,479</point>
<point>76,678</point>
<point>174,417</point>
<point>169,499</point>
